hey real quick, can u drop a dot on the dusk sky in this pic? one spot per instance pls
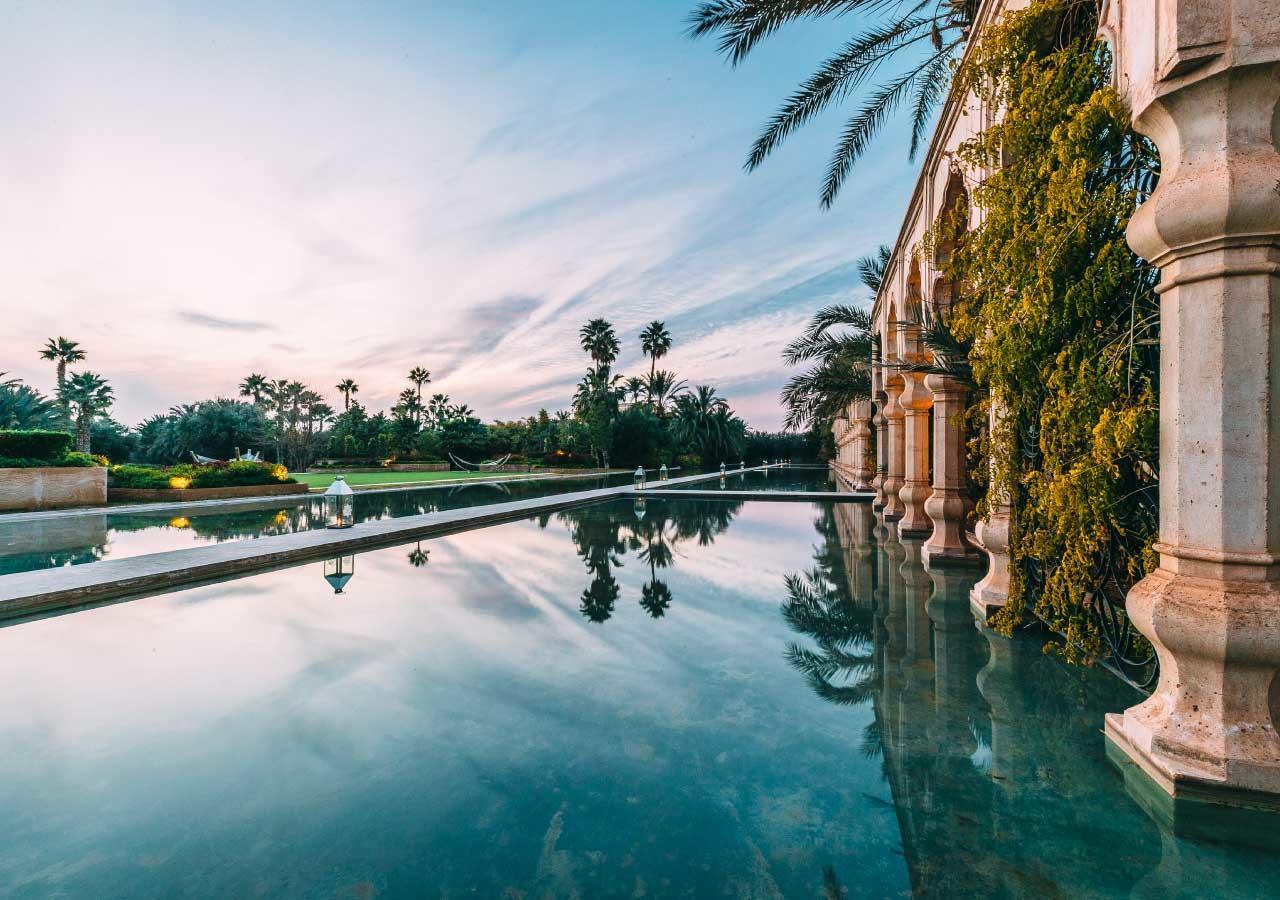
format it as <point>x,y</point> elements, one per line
<point>318,191</point>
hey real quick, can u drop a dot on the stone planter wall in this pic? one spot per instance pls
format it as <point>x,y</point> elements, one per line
<point>169,495</point>
<point>52,488</point>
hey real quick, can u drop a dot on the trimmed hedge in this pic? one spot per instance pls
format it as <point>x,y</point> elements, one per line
<point>240,473</point>
<point>39,445</point>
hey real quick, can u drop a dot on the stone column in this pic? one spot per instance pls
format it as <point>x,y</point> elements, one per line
<point>881,426</point>
<point>862,472</point>
<point>992,592</point>
<point>949,505</point>
<point>897,450</point>
<point>916,401</point>
<point>1205,86</point>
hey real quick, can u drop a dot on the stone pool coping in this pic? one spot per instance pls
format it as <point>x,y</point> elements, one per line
<point>26,594</point>
<point>781,496</point>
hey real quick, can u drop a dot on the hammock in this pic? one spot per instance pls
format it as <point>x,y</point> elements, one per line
<point>251,456</point>
<point>475,467</point>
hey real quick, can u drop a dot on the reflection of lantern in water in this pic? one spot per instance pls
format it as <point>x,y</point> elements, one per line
<point>638,507</point>
<point>281,519</point>
<point>639,478</point>
<point>338,571</point>
<point>662,472</point>
<point>339,504</point>
<point>722,482</point>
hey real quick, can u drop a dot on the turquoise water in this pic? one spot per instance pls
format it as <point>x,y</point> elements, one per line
<point>88,537</point>
<point>586,704</point>
<point>779,479</point>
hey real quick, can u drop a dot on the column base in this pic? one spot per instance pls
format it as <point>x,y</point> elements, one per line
<point>1190,805</point>
<point>938,555</point>
<point>985,603</point>
<point>1208,732</point>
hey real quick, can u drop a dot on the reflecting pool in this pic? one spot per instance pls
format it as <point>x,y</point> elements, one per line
<point>779,479</point>
<point>603,702</point>
<point>88,537</point>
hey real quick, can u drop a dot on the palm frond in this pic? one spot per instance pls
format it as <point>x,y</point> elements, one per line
<point>835,80</point>
<point>859,131</point>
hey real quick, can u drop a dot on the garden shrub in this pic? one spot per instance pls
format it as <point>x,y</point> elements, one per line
<point>42,445</point>
<point>240,473</point>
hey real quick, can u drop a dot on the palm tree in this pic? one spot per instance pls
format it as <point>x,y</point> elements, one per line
<point>633,387</point>
<point>64,353</point>
<point>347,387</point>
<point>419,376</point>
<point>22,406</point>
<point>843,371</point>
<point>871,268</point>
<point>922,37</point>
<point>598,339</point>
<point>662,388</point>
<point>278,393</point>
<point>655,341</point>
<point>410,406</point>
<point>87,395</point>
<point>254,386</point>
<point>705,421</point>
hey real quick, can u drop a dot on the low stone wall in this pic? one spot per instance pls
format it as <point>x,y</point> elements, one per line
<point>52,488</point>
<point>169,495</point>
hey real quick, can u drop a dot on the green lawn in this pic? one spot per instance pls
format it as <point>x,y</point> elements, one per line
<point>370,479</point>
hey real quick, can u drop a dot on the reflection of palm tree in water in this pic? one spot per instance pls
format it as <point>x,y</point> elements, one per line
<point>419,557</point>
<point>655,596</point>
<point>842,669</point>
<point>603,533</point>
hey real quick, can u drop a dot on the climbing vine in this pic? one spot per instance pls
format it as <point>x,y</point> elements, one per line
<point>1062,318</point>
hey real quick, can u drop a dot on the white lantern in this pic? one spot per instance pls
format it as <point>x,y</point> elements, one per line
<point>742,465</point>
<point>338,571</point>
<point>662,472</point>
<point>339,504</point>
<point>639,478</point>
<point>722,471</point>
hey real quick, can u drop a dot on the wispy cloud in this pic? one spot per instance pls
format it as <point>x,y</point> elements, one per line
<point>304,197</point>
<point>204,320</point>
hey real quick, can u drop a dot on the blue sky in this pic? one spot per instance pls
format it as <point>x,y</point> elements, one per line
<point>329,190</point>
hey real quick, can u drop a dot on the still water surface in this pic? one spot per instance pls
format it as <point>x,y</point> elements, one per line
<point>715,700</point>
<point>779,479</point>
<point>88,537</point>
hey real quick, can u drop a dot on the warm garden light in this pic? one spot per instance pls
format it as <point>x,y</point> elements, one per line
<point>339,504</point>
<point>280,473</point>
<point>338,571</point>
<point>721,471</point>
<point>662,472</point>
<point>179,482</point>
<point>639,479</point>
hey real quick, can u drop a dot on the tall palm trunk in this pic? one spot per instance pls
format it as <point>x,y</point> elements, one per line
<point>62,382</point>
<point>82,431</point>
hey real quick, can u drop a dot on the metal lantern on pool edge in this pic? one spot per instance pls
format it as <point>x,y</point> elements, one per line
<point>639,478</point>
<point>662,472</point>
<point>339,504</point>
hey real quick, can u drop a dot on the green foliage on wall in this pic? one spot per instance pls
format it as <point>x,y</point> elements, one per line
<point>1063,317</point>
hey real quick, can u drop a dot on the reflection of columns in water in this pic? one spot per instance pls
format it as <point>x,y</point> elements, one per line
<point>954,645</point>
<point>998,685</point>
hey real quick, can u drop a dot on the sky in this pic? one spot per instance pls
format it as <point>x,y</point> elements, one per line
<point>317,191</point>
